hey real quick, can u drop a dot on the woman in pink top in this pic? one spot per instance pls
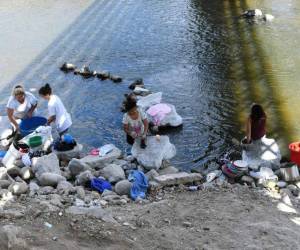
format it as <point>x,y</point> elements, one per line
<point>256,123</point>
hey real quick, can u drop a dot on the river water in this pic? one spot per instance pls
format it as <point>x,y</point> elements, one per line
<point>209,63</point>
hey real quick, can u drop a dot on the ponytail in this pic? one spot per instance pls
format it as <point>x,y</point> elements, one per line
<point>45,90</point>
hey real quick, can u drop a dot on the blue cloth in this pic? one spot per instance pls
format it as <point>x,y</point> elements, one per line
<point>139,186</point>
<point>100,185</point>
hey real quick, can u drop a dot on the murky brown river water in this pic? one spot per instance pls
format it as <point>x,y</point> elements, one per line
<point>210,64</point>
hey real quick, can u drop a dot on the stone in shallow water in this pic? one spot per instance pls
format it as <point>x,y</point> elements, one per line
<point>156,151</point>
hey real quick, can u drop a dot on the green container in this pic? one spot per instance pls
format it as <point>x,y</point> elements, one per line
<point>35,141</point>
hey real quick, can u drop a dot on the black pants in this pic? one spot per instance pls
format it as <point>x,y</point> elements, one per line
<point>129,139</point>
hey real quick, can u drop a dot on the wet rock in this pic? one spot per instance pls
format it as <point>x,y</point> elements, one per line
<point>136,83</point>
<point>77,166</point>
<point>151,174</point>
<point>141,91</point>
<point>50,179</point>
<point>95,212</point>
<point>67,67</point>
<point>4,184</point>
<point>80,192</point>
<point>65,187</point>
<point>18,188</point>
<point>123,187</point>
<point>26,173</point>
<point>84,178</point>
<point>178,178</point>
<point>103,75</point>
<point>168,170</point>
<point>156,151</point>
<point>69,154</point>
<point>115,78</point>
<point>10,238</point>
<point>113,173</point>
<point>46,164</point>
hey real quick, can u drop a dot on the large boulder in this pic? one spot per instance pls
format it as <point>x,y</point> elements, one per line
<point>156,151</point>
<point>77,166</point>
<point>69,154</point>
<point>149,100</point>
<point>113,173</point>
<point>50,179</point>
<point>123,187</point>
<point>45,164</point>
<point>98,162</point>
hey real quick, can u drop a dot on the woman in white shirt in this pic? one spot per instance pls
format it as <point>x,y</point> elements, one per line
<point>20,105</point>
<point>57,110</point>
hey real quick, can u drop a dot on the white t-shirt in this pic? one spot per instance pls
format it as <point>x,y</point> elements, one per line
<point>137,125</point>
<point>21,109</point>
<point>62,117</point>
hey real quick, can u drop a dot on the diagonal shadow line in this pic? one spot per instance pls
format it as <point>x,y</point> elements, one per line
<point>68,34</point>
<point>82,37</point>
<point>98,28</point>
<point>116,20</point>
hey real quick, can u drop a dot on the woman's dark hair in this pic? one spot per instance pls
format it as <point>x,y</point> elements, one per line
<point>130,103</point>
<point>257,112</point>
<point>45,90</point>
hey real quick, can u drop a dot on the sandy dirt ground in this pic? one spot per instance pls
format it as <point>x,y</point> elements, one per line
<point>227,218</point>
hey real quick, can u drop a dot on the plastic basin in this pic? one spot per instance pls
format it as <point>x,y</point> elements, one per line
<point>35,141</point>
<point>28,126</point>
<point>295,152</point>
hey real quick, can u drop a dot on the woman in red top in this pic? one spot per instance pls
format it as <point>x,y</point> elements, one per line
<point>256,123</point>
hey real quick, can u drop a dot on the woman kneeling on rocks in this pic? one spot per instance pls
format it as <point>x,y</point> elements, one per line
<point>256,123</point>
<point>135,122</point>
<point>57,110</point>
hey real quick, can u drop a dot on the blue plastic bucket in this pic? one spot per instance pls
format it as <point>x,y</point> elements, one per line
<point>28,126</point>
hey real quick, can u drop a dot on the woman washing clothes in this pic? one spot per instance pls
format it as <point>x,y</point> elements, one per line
<point>57,110</point>
<point>256,124</point>
<point>21,105</point>
<point>135,122</point>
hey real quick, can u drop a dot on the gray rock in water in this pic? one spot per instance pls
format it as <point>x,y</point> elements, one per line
<point>10,238</point>
<point>4,184</point>
<point>113,173</point>
<point>168,170</point>
<point>84,178</point>
<point>123,187</point>
<point>26,173</point>
<point>151,174</point>
<point>77,166</point>
<point>156,151</point>
<point>50,179</point>
<point>95,212</point>
<point>65,187</point>
<point>18,188</point>
<point>69,154</point>
<point>45,164</point>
